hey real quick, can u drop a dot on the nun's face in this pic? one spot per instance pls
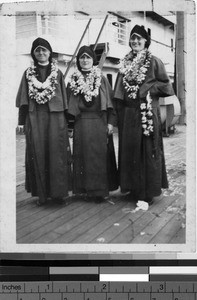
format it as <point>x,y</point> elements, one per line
<point>137,42</point>
<point>42,54</point>
<point>85,61</point>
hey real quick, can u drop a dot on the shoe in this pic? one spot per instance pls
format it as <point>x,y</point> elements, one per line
<point>99,199</point>
<point>58,200</point>
<point>149,201</point>
<point>38,203</point>
<point>130,197</point>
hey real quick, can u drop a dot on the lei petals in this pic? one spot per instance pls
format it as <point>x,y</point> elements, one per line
<point>88,86</point>
<point>146,116</point>
<point>134,69</point>
<point>42,92</point>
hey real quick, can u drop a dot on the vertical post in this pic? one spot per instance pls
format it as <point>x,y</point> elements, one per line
<point>144,19</point>
<point>96,42</point>
<point>69,64</point>
<point>103,56</point>
<point>46,21</point>
<point>38,24</point>
<point>180,64</point>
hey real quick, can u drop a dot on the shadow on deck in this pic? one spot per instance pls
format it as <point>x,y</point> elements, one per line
<point>113,221</point>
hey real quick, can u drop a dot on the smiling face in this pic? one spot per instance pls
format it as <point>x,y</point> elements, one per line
<point>42,54</point>
<point>85,61</point>
<point>137,42</point>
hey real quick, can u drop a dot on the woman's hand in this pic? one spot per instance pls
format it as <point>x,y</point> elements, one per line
<point>110,129</point>
<point>21,129</point>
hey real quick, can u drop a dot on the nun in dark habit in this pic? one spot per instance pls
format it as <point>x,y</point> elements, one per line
<point>142,79</point>
<point>42,102</point>
<point>90,104</point>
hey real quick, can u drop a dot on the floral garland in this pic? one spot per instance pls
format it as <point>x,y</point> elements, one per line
<point>146,112</point>
<point>86,85</point>
<point>42,92</point>
<point>134,68</point>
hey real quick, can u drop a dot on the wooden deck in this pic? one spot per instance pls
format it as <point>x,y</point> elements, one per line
<point>113,221</point>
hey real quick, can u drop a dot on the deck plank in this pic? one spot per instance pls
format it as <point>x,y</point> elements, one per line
<point>136,225</point>
<point>31,212</point>
<point>72,231</point>
<point>169,231</point>
<point>96,234</point>
<point>164,217</point>
<point>179,237</point>
<point>52,218</point>
<point>79,221</point>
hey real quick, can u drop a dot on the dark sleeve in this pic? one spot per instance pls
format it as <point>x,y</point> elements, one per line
<point>106,94</point>
<point>162,87</point>
<point>64,91</point>
<point>119,88</point>
<point>22,95</point>
<point>70,118</point>
<point>111,113</point>
<point>68,90</point>
<point>111,116</point>
<point>119,96</point>
<point>22,113</point>
<point>22,100</point>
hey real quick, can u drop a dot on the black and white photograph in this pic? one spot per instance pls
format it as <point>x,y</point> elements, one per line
<point>98,126</point>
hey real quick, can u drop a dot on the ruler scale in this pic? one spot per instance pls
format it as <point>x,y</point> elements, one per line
<point>70,290</point>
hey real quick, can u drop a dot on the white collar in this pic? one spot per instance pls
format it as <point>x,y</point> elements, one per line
<point>86,70</point>
<point>43,64</point>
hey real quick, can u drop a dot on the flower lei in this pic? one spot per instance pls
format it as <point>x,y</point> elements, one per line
<point>86,85</point>
<point>42,92</point>
<point>146,114</point>
<point>134,69</point>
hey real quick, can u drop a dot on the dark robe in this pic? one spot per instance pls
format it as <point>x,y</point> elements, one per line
<point>141,158</point>
<point>47,144</point>
<point>94,164</point>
